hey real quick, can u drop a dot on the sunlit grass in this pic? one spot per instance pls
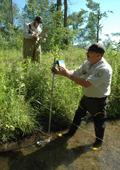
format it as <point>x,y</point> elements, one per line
<point>22,85</point>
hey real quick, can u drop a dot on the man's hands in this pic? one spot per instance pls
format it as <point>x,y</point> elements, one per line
<point>55,70</point>
<point>61,71</point>
<point>36,35</point>
<point>45,36</point>
<point>64,72</point>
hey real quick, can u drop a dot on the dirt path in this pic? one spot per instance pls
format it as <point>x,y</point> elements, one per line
<point>66,154</point>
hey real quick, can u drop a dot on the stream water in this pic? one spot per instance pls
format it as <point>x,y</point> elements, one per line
<point>66,153</point>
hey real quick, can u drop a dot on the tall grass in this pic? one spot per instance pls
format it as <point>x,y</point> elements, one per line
<point>113,110</point>
<point>25,86</point>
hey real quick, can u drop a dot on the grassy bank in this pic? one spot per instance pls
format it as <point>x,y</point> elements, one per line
<point>25,91</point>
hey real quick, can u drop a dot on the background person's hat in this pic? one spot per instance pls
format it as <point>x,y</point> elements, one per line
<point>39,19</point>
<point>96,47</point>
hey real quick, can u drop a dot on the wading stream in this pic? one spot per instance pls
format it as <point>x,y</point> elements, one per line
<point>65,153</point>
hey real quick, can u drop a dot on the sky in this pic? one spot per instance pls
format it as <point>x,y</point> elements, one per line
<point>110,24</point>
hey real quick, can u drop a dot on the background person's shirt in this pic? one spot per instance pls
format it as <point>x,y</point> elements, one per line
<point>30,35</point>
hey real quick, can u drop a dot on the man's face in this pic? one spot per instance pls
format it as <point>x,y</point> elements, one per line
<point>92,56</point>
<point>36,24</point>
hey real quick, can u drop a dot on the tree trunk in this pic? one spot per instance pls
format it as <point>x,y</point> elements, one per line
<point>12,13</point>
<point>65,18</point>
<point>98,27</point>
<point>59,5</point>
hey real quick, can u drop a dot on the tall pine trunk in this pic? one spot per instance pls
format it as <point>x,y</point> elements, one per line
<point>65,19</point>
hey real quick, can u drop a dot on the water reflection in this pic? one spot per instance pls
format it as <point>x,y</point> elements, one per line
<point>66,153</point>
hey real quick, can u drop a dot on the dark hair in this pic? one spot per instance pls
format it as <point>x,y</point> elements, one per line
<point>39,19</point>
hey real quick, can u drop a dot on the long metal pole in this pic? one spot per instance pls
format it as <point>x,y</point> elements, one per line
<point>51,106</point>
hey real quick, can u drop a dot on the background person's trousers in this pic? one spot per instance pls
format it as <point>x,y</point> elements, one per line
<point>96,107</point>
<point>31,49</point>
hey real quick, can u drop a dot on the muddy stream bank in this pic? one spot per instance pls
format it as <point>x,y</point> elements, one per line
<point>65,153</point>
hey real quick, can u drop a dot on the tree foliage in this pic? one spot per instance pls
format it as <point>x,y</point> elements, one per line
<point>34,8</point>
<point>94,27</point>
<point>88,23</point>
<point>76,20</point>
<point>9,34</point>
<point>83,26</point>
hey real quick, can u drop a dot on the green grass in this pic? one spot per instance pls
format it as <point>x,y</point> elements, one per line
<point>22,85</point>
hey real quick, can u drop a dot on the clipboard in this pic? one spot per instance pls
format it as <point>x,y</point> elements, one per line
<point>44,31</point>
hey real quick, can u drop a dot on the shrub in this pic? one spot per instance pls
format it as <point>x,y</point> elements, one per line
<point>26,91</point>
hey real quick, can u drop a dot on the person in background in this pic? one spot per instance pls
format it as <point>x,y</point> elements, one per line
<point>31,39</point>
<point>96,82</point>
